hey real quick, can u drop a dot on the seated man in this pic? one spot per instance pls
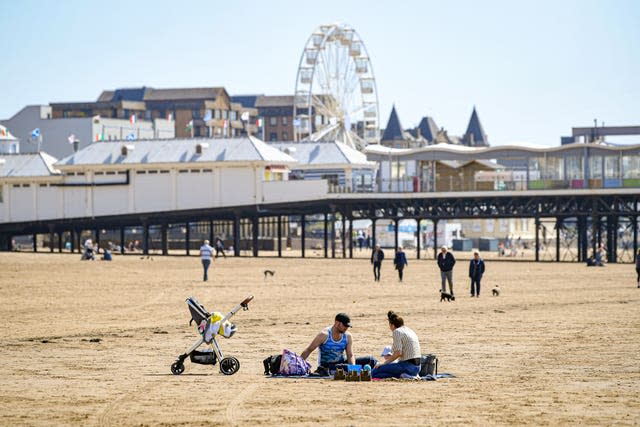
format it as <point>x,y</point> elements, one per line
<point>333,343</point>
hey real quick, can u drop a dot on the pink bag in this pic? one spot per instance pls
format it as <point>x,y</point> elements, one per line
<point>293,364</point>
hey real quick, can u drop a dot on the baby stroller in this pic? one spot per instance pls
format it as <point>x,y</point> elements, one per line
<point>209,325</point>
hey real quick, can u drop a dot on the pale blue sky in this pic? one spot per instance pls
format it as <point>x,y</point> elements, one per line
<point>532,69</point>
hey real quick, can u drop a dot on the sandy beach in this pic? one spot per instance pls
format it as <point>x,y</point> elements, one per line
<point>90,343</point>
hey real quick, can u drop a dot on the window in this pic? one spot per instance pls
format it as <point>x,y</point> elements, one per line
<point>195,113</point>
<point>207,170</point>
<point>164,171</point>
<point>273,121</point>
<point>141,172</point>
<point>99,173</point>
<point>216,114</point>
<point>285,120</point>
<point>152,171</point>
<point>147,115</point>
<point>225,114</point>
<point>273,136</point>
<point>113,173</point>
<point>233,115</point>
<point>183,171</point>
<point>332,179</point>
<point>285,136</point>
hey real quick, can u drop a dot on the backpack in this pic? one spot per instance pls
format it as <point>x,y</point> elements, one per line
<point>272,364</point>
<point>428,365</point>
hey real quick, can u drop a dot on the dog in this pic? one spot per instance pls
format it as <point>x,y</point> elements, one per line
<point>268,273</point>
<point>446,296</point>
<point>495,291</point>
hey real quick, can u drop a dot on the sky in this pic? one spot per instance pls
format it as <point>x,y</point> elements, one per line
<point>532,69</point>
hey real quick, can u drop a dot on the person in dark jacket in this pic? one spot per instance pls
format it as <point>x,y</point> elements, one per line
<point>400,261</point>
<point>476,270</point>
<point>376,259</point>
<point>446,261</point>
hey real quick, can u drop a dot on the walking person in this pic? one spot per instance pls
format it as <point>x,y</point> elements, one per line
<point>376,259</point>
<point>220,247</point>
<point>206,254</point>
<point>405,349</point>
<point>476,270</point>
<point>638,267</point>
<point>446,261</point>
<point>400,261</point>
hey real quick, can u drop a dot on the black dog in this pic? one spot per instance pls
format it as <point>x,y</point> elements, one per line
<point>446,296</point>
<point>269,272</point>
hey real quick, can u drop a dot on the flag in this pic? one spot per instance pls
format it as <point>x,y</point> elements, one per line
<point>99,137</point>
<point>208,116</point>
<point>132,119</point>
<point>189,126</point>
<point>244,116</point>
<point>71,139</point>
<point>131,137</point>
<point>35,133</point>
<point>260,122</point>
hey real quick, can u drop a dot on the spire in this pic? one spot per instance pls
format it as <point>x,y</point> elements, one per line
<point>393,131</point>
<point>475,136</point>
<point>428,128</point>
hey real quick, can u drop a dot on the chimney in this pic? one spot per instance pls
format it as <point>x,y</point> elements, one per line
<point>126,148</point>
<point>201,146</point>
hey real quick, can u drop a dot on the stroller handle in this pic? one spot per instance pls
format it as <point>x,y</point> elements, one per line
<point>244,305</point>
<point>247,300</point>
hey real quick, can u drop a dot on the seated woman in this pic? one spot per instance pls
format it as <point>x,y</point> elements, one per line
<point>405,348</point>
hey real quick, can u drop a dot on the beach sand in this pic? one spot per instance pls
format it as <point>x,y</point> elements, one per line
<point>91,343</point>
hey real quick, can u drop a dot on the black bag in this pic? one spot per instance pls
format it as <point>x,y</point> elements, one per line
<point>272,364</point>
<point>203,357</point>
<point>428,365</point>
<point>366,360</point>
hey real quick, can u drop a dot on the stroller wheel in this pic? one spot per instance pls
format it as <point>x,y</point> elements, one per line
<point>229,365</point>
<point>177,368</point>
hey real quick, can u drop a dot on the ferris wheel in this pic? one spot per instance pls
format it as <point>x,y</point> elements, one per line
<point>335,95</point>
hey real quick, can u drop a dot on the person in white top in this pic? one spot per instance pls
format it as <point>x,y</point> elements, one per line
<point>206,254</point>
<point>405,348</point>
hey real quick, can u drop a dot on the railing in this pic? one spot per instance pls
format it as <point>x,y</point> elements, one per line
<point>413,185</point>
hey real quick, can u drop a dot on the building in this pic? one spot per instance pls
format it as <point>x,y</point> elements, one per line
<point>428,133</point>
<point>345,169</point>
<point>196,112</point>
<point>122,178</point>
<point>8,143</point>
<point>277,112</point>
<point>61,136</point>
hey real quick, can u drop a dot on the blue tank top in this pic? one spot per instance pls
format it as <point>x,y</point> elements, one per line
<point>332,351</point>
